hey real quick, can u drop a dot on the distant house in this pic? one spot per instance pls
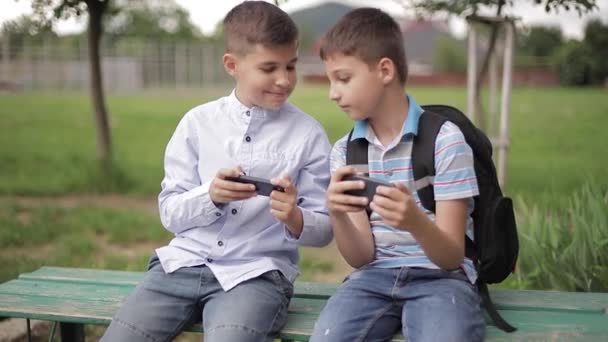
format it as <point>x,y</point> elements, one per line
<point>420,36</point>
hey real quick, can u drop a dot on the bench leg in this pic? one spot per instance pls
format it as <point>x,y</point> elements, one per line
<point>71,332</point>
<point>29,330</point>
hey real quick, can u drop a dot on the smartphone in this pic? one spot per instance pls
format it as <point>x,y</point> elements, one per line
<point>370,186</point>
<point>262,186</point>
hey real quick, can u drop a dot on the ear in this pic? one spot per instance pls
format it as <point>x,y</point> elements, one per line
<point>386,70</point>
<point>230,64</point>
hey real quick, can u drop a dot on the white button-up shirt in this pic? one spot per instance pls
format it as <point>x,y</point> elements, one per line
<point>242,240</point>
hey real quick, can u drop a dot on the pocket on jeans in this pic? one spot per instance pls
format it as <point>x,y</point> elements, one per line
<point>281,282</point>
<point>153,261</point>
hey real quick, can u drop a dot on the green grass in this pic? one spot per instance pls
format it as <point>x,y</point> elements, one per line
<point>47,147</point>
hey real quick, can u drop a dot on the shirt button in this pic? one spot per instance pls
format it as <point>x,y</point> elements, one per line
<point>247,138</point>
<point>248,113</point>
<point>218,214</point>
<point>209,260</point>
<point>220,243</point>
<point>233,211</point>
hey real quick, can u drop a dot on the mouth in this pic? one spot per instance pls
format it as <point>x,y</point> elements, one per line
<point>277,95</point>
<point>344,108</point>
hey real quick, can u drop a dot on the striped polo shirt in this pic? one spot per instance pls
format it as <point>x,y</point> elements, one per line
<point>454,179</point>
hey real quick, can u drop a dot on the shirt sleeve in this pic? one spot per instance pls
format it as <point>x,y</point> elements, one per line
<point>337,157</point>
<point>454,169</point>
<point>312,183</point>
<point>184,202</point>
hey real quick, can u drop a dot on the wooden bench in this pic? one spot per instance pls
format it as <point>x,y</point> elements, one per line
<point>74,297</point>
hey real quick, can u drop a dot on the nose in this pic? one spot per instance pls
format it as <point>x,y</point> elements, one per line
<point>333,94</point>
<point>283,79</point>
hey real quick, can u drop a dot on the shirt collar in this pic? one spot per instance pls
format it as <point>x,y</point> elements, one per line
<point>410,126</point>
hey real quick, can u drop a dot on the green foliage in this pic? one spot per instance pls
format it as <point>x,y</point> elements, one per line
<point>143,19</point>
<point>540,41</point>
<point>596,39</point>
<point>564,248</point>
<point>584,63</point>
<point>573,64</point>
<point>471,7</point>
<point>449,55</point>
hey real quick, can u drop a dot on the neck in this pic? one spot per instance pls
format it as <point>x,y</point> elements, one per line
<point>390,115</point>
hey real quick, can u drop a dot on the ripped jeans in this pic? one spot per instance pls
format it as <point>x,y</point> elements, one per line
<point>426,304</point>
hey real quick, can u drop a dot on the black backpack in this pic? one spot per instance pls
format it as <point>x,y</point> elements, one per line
<point>496,245</point>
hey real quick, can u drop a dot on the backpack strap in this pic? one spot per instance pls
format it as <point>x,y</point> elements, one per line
<point>423,157</point>
<point>356,151</point>
<point>356,155</point>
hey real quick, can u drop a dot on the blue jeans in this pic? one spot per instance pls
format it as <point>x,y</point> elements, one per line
<point>427,305</point>
<point>162,305</point>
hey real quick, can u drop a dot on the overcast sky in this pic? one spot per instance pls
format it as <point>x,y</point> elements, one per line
<point>207,13</point>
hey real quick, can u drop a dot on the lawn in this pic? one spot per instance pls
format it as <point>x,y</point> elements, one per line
<point>47,145</point>
<point>47,148</point>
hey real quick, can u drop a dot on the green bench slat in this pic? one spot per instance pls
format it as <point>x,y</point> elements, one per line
<point>504,299</point>
<point>547,324</point>
<point>92,296</point>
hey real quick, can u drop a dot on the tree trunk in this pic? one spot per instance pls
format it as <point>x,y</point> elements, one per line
<point>479,112</point>
<point>104,145</point>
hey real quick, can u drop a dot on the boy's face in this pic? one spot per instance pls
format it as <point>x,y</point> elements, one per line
<point>355,86</point>
<point>265,76</point>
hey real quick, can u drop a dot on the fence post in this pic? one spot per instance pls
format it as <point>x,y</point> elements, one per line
<point>471,71</point>
<point>505,103</point>
<point>6,55</point>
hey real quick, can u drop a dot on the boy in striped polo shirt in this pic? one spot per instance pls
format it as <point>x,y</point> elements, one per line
<point>410,269</point>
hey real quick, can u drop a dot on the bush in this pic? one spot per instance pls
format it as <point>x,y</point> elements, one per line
<point>565,248</point>
<point>573,63</point>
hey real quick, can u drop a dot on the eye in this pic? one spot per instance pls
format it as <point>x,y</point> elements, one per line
<point>343,79</point>
<point>268,70</point>
<point>291,67</point>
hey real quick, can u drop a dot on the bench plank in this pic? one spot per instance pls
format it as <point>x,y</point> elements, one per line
<point>92,296</point>
<point>504,299</point>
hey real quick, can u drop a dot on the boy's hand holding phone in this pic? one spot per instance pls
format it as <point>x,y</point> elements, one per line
<point>223,190</point>
<point>284,206</point>
<point>397,207</point>
<point>338,201</point>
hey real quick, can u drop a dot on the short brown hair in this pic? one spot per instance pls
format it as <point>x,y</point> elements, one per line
<point>368,34</point>
<point>257,22</point>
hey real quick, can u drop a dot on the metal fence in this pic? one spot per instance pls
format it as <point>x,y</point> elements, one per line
<point>127,65</point>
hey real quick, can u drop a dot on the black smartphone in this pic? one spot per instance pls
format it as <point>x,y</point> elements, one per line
<point>262,186</point>
<point>370,186</point>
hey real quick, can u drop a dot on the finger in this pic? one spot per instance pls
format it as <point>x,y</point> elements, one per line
<point>233,172</point>
<point>401,186</point>
<point>283,196</point>
<point>383,212</point>
<point>235,186</point>
<point>280,206</point>
<point>342,199</point>
<point>347,208</point>
<point>343,186</point>
<point>284,182</point>
<point>234,195</point>
<point>343,171</point>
